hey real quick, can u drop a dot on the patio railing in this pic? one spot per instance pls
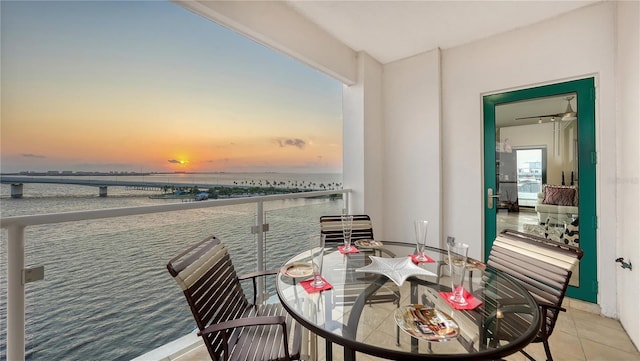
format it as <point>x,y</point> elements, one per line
<point>18,275</point>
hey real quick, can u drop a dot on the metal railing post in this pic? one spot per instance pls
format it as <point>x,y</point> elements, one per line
<point>15,293</point>
<point>260,246</point>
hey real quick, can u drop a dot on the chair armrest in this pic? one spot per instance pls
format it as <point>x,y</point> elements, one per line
<point>546,305</point>
<point>243,322</point>
<point>253,276</point>
<point>257,274</point>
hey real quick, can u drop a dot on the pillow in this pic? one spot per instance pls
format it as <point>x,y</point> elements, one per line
<point>559,195</point>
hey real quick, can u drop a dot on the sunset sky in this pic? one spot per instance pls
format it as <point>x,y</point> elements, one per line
<point>150,86</point>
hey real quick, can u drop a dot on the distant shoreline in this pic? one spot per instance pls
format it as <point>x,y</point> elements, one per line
<point>125,173</point>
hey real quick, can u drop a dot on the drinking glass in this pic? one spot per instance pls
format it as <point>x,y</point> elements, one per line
<point>457,267</point>
<point>347,224</point>
<point>317,254</point>
<point>421,238</point>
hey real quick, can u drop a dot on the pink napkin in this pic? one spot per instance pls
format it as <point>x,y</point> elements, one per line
<point>352,250</point>
<point>472,302</point>
<point>414,258</point>
<point>310,289</point>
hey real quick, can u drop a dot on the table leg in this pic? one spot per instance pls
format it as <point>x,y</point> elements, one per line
<point>414,299</point>
<point>349,354</point>
<point>328,350</point>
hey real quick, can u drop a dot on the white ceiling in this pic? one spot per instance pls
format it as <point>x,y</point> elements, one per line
<point>393,30</point>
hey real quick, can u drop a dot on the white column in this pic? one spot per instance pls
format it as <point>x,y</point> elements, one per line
<point>362,140</point>
<point>15,294</point>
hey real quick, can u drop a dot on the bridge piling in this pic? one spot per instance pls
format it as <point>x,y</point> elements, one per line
<point>102,191</point>
<point>16,190</point>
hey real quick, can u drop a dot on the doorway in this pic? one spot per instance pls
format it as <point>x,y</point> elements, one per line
<point>539,162</point>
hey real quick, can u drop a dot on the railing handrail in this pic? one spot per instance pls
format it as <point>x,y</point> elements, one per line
<point>73,216</point>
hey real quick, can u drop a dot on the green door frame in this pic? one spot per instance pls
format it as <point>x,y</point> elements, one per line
<point>585,90</point>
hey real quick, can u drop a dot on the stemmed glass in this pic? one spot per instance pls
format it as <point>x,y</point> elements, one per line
<point>347,224</point>
<point>457,267</point>
<point>316,264</point>
<point>421,238</point>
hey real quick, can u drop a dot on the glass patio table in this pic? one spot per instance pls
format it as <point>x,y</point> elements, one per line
<point>366,312</point>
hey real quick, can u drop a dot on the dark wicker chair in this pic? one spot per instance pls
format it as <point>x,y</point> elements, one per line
<point>331,227</point>
<point>232,328</point>
<point>544,268</point>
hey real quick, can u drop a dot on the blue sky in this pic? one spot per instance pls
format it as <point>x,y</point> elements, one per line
<point>118,85</point>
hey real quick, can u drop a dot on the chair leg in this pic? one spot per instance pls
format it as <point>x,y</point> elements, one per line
<point>547,350</point>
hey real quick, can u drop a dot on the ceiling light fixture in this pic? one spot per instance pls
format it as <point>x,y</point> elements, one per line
<point>569,114</point>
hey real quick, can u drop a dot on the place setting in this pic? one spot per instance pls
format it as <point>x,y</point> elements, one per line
<point>420,256</point>
<point>347,228</point>
<point>317,283</point>
<point>459,298</point>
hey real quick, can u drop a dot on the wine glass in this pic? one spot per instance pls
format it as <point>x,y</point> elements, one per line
<point>421,238</point>
<point>317,253</point>
<point>347,224</point>
<point>457,267</point>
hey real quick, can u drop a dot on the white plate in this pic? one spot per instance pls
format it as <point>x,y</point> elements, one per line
<point>297,270</point>
<point>368,243</point>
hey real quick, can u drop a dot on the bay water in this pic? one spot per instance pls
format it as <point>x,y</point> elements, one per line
<point>107,294</point>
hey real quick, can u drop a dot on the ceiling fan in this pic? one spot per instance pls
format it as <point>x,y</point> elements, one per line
<point>568,114</point>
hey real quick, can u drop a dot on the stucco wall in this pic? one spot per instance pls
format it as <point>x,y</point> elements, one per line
<point>412,165</point>
<point>577,45</point>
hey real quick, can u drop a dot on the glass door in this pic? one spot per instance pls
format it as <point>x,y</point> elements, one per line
<point>540,170</point>
<point>531,163</point>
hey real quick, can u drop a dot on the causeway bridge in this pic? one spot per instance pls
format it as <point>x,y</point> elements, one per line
<point>17,183</point>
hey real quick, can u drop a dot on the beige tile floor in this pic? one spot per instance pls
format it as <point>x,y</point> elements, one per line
<point>579,336</point>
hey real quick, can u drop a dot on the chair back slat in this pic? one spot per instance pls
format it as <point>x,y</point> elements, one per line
<point>542,266</point>
<point>331,227</point>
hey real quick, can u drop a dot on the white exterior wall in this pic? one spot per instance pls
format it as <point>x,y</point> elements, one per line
<point>412,146</point>
<point>579,44</point>
<point>628,169</point>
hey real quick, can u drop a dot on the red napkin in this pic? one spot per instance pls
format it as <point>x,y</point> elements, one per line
<point>310,289</point>
<point>352,250</point>
<point>414,258</point>
<point>472,302</point>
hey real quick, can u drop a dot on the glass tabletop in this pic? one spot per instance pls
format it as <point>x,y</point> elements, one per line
<point>366,311</point>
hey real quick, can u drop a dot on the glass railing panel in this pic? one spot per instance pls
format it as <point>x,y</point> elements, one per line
<point>107,294</point>
<point>293,226</point>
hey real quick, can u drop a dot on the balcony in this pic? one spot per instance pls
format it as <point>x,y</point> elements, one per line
<point>106,288</point>
<point>124,277</point>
